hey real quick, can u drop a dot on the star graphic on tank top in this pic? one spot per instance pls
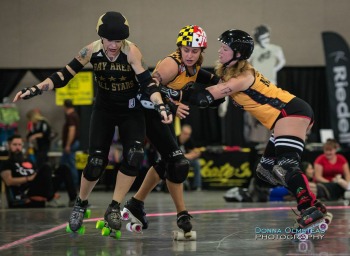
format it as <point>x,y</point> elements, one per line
<point>102,78</point>
<point>112,79</point>
<point>122,78</point>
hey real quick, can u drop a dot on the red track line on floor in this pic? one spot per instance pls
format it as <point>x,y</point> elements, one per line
<point>40,234</point>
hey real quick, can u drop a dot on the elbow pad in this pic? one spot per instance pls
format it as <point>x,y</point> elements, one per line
<point>201,98</point>
<point>56,79</point>
<point>75,65</point>
<point>147,85</point>
<point>205,77</point>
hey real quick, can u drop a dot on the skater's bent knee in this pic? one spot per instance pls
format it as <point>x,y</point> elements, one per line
<point>177,170</point>
<point>95,167</point>
<point>128,170</point>
<point>135,154</point>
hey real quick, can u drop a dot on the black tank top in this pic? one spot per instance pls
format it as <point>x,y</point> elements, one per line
<point>116,82</point>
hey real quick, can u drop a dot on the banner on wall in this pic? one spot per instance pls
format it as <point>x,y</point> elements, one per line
<point>79,90</point>
<point>337,57</point>
<point>225,170</point>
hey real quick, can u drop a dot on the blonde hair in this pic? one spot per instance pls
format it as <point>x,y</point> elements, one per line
<point>226,73</point>
<point>35,116</point>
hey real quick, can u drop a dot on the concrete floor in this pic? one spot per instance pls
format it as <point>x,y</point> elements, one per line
<point>222,229</point>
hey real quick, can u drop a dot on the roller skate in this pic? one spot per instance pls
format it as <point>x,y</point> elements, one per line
<point>111,224</point>
<point>184,223</point>
<point>322,208</point>
<point>134,211</point>
<point>79,212</point>
<point>310,219</point>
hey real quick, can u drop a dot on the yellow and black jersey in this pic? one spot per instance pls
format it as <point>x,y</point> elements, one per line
<point>263,99</point>
<point>183,76</point>
<point>116,80</point>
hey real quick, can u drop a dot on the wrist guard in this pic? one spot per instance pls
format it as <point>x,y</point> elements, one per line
<point>159,110</point>
<point>170,93</point>
<point>173,107</point>
<point>33,92</point>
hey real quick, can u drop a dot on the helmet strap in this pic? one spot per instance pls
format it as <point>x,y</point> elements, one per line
<point>233,58</point>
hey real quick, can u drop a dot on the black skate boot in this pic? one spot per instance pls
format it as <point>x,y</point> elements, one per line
<point>112,217</point>
<point>136,209</point>
<point>184,221</point>
<point>76,218</point>
<point>311,217</point>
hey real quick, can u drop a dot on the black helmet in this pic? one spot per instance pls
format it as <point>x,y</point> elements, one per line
<point>239,41</point>
<point>113,26</point>
<point>260,30</point>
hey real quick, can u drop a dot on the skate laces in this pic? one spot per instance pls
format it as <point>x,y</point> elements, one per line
<point>115,214</point>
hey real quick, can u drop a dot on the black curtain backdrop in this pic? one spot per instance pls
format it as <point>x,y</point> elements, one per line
<point>9,79</point>
<point>308,83</point>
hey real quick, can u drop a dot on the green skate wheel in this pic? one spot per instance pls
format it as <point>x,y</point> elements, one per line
<point>105,231</point>
<point>68,230</point>
<point>81,230</point>
<point>87,214</point>
<point>118,234</point>
<point>100,224</point>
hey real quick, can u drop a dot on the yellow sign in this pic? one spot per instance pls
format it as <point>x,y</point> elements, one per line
<point>79,90</point>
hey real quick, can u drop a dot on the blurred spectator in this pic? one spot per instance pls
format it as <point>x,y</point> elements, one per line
<point>70,139</point>
<point>332,167</point>
<point>186,144</point>
<point>28,186</point>
<point>39,136</point>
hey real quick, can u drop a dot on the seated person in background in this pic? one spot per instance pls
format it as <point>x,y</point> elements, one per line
<point>332,167</point>
<point>27,186</point>
<point>191,153</point>
<point>325,191</point>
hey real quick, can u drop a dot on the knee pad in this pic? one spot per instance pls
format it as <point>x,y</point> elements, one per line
<point>95,167</point>
<point>160,168</point>
<point>129,170</point>
<point>177,169</point>
<point>135,154</point>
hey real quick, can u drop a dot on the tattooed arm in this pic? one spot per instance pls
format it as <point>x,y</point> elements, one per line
<point>236,84</point>
<point>60,78</point>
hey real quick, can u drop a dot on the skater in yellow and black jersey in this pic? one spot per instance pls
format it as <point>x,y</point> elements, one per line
<point>180,69</point>
<point>120,74</point>
<point>289,117</point>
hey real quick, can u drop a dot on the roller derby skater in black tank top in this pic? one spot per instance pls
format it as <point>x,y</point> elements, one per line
<point>119,73</point>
